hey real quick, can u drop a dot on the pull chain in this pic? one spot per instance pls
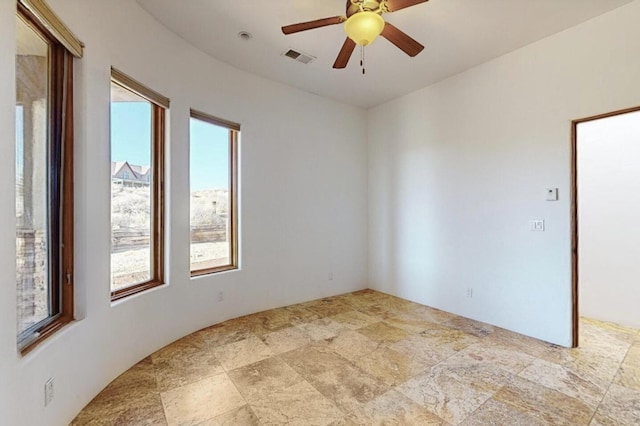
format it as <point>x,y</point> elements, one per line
<point>362,59</point>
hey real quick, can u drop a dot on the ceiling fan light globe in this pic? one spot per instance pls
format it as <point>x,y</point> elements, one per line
<point>364,27</point>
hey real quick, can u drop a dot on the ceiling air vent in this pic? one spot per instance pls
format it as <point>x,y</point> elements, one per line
<point>299,56</point>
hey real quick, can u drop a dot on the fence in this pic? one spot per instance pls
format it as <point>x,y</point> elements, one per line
<point>131,239</point>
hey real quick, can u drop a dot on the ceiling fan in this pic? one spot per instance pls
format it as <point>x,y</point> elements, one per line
<point>363,23</point>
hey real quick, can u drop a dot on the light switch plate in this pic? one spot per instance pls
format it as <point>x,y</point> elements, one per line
<point>537,225</point>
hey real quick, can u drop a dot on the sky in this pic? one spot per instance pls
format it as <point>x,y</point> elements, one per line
<point>209,144</point>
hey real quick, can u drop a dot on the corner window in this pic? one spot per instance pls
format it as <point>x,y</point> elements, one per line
<point>213,182</point>
<point>137,186</point>
<point>44,176</point>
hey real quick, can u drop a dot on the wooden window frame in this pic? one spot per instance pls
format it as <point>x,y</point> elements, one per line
<point>41,11</point>
<point>159,105</point>
<point>60,125</point>
<point>234,133</point>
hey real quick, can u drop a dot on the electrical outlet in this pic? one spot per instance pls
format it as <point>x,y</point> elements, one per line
<point>470,292</point>
<point>220,296</point>
<point>48,392</point>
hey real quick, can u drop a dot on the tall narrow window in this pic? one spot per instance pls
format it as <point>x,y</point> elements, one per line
<point>137,186</point>
<point>213,169</point>
<point>44,177</point>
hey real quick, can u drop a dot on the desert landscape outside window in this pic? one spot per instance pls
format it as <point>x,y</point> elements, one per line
<point>137,186</point>
<point>213,183</point>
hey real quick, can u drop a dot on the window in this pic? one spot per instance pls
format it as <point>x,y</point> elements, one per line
<point>213,169</point>
<point>137,201</point>
<point>44,174</point>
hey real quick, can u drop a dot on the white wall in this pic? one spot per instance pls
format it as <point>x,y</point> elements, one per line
<point>457,170</point>
<point>608,219</point>
<point>303,207</point>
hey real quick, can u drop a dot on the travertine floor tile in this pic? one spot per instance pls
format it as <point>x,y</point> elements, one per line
<point>353,319</point>
<point>244,352</point>
<point>422,350</point>
<point>348,387</point>
<point>137,383</point>
<point>376,310</point>
<point>620,406</point>
<point>265,322</point>
<point>544,404</point>
<point>262,323</point>
<point>481,376</point>
<point>298,314</point>
<point>444,395</point>
<point>352,345</point>
<point>393,408</point>
<point>286,340</point>
<point>497,355</point>
<point>629,373</point>
<point>496,413</point>
<point>192,343</point>
<point>446,339</point>
<point>327,308</point>
<point>368,358</point>
<point>243,416</point>
<point>194,403</point>
<point>475,328</point>
<point>361,298</point>
<point>224,333</point>
<point>409,322</point>
<point>256,381</point>
<point>390,366</point>
<point>561,379</point>
<point>608,328</point>
<point>510,339</point>
<point>314,359</point>
<point>432,315</point>
<point>139,379</point>
<point>185,361</point>
<point>384,333</point>
<point>299,404</point>
<point>598,369</point>
<point>144,409</point>
<point>395,304</point>
<point>604,339</point>
<point>321,329</point>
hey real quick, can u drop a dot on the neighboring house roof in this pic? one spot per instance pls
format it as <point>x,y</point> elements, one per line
<point>141,170</point>
<point>116,166</point>
<point>136,172</point>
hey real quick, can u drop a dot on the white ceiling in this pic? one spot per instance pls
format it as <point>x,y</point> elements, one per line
<point>458,34</point>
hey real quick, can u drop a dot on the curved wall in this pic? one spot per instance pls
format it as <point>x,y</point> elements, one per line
<point>303,206</point>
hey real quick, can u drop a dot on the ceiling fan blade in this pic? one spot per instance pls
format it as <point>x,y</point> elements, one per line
<point>401,40</point>
<point>304,26</point>
<point>345,53</point>
<point>394,5</point>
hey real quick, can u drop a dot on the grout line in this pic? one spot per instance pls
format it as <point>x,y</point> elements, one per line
<point>611,383</point>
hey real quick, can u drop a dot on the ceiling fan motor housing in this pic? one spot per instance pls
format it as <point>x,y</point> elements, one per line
<point>356,6</point>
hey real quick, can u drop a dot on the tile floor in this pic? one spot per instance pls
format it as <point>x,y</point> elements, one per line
<point>366,358</point>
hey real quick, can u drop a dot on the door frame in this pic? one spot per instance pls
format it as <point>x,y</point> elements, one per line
<point>575,316</point>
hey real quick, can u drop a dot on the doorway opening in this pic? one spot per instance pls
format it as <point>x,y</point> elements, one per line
<point>605,202</point>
